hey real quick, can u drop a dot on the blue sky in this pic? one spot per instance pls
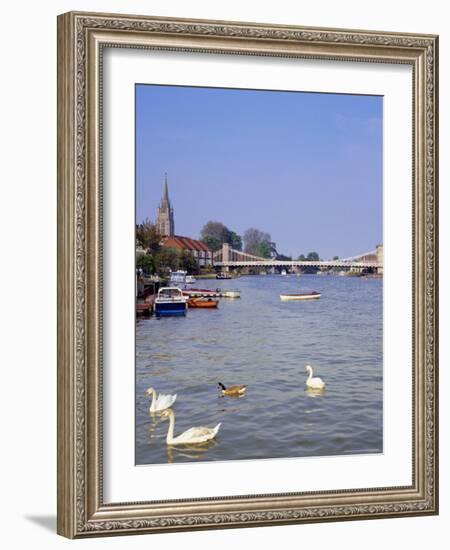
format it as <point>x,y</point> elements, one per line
<point>305,167</point>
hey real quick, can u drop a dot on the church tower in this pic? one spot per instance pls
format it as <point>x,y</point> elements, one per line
<point>164,222</point>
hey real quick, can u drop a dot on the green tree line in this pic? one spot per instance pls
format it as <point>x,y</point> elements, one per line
<point>159,259</point>
<point>254,241</point>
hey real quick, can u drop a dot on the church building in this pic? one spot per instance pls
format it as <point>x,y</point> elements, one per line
<point>166,227</point>
<point>164,221</point>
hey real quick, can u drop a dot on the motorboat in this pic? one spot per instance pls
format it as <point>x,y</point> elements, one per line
<point>178,277</point>
<point>170,301</point>
<point>223,275</point>
<point>283,272</point>
<point>189,280</point>
<point>304,296</point>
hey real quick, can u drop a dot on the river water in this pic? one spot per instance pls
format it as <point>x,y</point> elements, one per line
<point>264,343</point>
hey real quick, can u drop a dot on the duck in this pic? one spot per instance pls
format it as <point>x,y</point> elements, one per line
<point>315,383</point>
<point>160,402</point>
<point>191,436</point>
<point>232,390</point>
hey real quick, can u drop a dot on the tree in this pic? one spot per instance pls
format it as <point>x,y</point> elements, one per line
<point>147,236</point>
<point>214,234</point>
<point>253,239</point>
<point>335,258</point>
<point>167,259</point>
<point>284,258</point>
<point>235,241</point>
<point>212,243</point>
<point>312,257</point>
<point>146,262</point>
<point>188,262</point>
<point>264,249</point>
<point>301,258</point>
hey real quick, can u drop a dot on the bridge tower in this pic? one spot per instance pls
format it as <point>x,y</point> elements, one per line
<point>380,257</point>
<point>225,256</point>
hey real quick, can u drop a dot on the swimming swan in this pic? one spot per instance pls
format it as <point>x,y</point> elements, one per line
<point>232,390</point>
<point>160,402</point>
<point>314,383</point>
<point>193,435</point>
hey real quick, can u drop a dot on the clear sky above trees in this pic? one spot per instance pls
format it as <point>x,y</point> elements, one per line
<point>304,167</point>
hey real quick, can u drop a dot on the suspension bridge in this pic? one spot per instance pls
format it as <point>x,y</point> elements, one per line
<point>227,258</point>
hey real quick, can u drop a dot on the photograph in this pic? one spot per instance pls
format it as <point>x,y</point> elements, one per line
<point>247,221</point>
<point>258,274</point>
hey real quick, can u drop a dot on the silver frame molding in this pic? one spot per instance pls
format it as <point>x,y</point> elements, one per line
<point>81,39</point>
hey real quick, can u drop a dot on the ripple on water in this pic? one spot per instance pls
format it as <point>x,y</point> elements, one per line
<point>264,343</point>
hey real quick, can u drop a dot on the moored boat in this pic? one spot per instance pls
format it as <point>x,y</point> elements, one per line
<point>223,275</point>
<point>189,280</point>
<point>192,292</point>
<point>170,301</point>
<point>304,296</point>
<point>231,294</point>
<point>177,277</point>
<point>202,302</point>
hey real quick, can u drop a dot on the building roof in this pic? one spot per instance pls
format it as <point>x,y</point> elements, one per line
<point>185,243</point>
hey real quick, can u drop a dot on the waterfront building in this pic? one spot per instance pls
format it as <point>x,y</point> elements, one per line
<point>200,251</point>
<point>165,222</point>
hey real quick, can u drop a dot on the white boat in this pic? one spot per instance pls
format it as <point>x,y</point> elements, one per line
<point>178,277</point>
<point>283,272</point>
<point>189,280</point>
<point>170,301</point>
<point>223,275</point>
<point>231,294</point>
<point>304,296</point>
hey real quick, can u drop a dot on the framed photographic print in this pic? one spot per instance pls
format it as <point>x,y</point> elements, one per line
<point>247,277</point>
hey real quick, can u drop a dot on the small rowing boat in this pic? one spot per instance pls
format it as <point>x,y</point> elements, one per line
<point>207,303</point>
<point>305,296</point>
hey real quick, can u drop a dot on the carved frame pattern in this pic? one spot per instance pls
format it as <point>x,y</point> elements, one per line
<point>81,37</point>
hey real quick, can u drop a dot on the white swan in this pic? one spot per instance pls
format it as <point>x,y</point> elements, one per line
<point>160,402</point>
<point>193,435</point>
<point>314,383</point>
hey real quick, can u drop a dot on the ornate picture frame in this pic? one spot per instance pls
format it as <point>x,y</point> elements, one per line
<point>82,38</point>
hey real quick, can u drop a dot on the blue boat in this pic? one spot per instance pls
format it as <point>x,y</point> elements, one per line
<point>170,301</point>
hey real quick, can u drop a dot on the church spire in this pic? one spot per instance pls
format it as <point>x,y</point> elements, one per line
<point>166,188</point>
<point>164,221</point>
